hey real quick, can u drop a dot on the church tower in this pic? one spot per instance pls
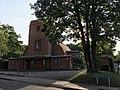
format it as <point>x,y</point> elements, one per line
<point>38,43</point>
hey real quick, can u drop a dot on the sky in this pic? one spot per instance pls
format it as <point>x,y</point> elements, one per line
<point>17,13</point>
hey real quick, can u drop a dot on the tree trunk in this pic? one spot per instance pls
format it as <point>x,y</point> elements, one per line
<point>93,36</point>
<point>88,36</point>
<point>94,58</point>
<point>86,47</point>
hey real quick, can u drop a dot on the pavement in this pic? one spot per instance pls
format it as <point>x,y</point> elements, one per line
<point>65,85</point>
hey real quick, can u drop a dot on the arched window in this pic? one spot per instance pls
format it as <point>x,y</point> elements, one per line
<point>37,44</point>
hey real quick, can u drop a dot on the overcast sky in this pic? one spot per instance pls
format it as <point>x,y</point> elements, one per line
<point>17,13</point>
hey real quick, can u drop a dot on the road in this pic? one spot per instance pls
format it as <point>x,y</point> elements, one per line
<point>57,75</point>
<point>14,85</point>
<point>13,82</point>
<point>29,80</point>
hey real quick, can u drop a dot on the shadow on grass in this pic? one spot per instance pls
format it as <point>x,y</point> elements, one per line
<point>88,78</point>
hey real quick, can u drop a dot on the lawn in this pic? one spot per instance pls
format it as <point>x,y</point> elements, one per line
<point>88,78</point>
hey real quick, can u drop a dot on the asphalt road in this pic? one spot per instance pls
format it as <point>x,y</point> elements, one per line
<point>57,75</point>
<point>14,85</point>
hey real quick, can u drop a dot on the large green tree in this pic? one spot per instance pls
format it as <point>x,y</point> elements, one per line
<point>14,46</point>
<point>90,21</point>
<point>3,42</point>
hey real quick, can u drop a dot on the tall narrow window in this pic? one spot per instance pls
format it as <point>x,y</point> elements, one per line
<point>37,44</point>
<point>38,28</point>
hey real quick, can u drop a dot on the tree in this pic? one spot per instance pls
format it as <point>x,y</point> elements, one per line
<point>3,42</point>
<point>90,21</point>
<point>14,47</point>
<point>106,48</point>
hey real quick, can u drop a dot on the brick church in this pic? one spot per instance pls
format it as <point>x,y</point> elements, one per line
<point>40,54</point>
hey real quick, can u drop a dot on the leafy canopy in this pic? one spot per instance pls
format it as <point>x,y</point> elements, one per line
<point>3,42</point>
<point>11,45</point>
<point>61,16</point>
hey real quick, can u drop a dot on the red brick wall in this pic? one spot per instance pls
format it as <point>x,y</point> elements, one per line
<point>65,63</point>
<point>14,64</point>
<point>40,64</point>
<point>57,50</point>
<point>24,64</point>
<point>48,64</point>
<point>35,34</point>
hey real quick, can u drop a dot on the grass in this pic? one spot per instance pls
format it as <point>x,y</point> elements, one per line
<point>88,78</point>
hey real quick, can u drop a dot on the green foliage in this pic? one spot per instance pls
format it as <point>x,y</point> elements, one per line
<point>57,16</point>
<point>79,63</point>
<point>105,47</point>
<point>117,57</point>
<point>60,16</point>
<point>13,45</point>
<point>3,42</point>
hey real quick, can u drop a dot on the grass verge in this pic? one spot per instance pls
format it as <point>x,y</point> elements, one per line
<point>88,78</point>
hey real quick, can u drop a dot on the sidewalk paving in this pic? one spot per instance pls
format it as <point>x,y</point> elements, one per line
<point>59,75</point>
<point>56,83</point>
